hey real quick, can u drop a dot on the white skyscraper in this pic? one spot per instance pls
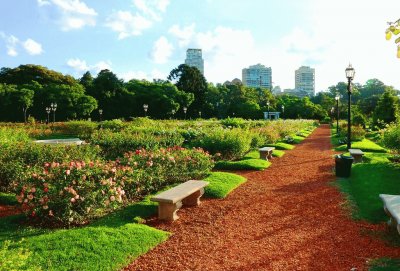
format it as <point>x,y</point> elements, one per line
<point>305,80</point>
<point>194,59</point>
<point>257,76</point>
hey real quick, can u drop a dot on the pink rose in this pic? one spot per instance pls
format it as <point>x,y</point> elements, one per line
<point>73,200</point>
<point>33,189</point>
<point>112,198</point>
<point>68,172</point>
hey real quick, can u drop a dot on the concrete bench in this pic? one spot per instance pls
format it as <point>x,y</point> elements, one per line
<point>392,209</point>
<point>266,152</point>
<point>170,201</point>
<point>63,141</point>
<point>357,154</point>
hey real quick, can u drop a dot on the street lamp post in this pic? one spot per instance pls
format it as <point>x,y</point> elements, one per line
<point>185,110</point>
<point>53,107</point>
<point>350,76</point>
<point>145,107</point>
<point>173,113</point>
<point>200,114</point>
<point>101,114</point>
<point>268,110</point>
<point>332,113</point>
<point>283,110</point>
<point>337,111</point>
<point>48,110</point>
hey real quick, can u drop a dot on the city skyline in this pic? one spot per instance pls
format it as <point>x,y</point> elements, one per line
<point>147,39</point>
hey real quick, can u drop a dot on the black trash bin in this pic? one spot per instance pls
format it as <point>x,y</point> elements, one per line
<point>343,165</point>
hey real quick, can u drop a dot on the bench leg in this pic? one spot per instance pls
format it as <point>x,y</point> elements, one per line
<point>193,199</point>
<point>357,158</point>
<point>263,155</point>
<point>269,155</point>
<point>167,211</point>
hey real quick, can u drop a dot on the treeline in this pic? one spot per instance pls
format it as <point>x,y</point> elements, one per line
<point>28,89</point>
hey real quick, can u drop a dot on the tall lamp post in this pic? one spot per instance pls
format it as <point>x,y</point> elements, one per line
<point>332,113</point>
<point>145,107</point>
<point>283,110</point>
<point>350,76</point>
<point>200,114</point>
<point>48,110</point>
<point>173,113</point>
<point>337,111</point>
<point>101,114</point>
<point>53,107</point>
<point>185,110</point>
<point>268,110</point>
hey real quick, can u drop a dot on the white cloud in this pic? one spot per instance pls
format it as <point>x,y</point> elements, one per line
<point>11,44</point>
<point>74,14</point>
<point>162,50</point>
<point>127,24</point>
<point>183,34</point>
<point>32,47</point>
<point>80,66</point>
<point>140,75</point>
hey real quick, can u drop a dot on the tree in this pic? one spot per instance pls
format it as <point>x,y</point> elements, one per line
<point>191,80</point>
<point>86,80</point>
<point>387,108</point>
<point>394,28</point>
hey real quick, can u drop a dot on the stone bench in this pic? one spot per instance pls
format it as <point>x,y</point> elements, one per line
<point>63,141</point>
<point>170,201</point>
<point>357,154</point>
<point>392,209</point>
<point>266,152</point>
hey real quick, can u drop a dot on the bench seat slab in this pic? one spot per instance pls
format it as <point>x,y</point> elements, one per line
<point>392,209</point>
<point>266,153</point>
<point>357,154</point>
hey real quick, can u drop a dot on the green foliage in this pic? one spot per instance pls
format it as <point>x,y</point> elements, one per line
<point>8,199</point>
<point>281,146</point>
<point>394,28</point>
<point>10,135</point>
<point>221,184</point>
<point>82,129</point>
<point>391,138</point>
<point>384,264</point>
<point>233,122</point>
<point>387,107</point>
<point>115,144</point>
<point>357,132</point>
<point>15,260</point>
<point>115,125</point>
<point>230,144</point>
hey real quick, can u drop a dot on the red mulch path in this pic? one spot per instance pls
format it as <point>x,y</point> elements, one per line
<point>287,217</point>
<point>6,210</point>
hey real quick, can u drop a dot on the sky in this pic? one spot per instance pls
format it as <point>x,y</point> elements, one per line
<point>146,39</point>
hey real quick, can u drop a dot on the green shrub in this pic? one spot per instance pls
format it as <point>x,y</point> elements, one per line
<point>391,138</point>
<point>115,125</point>
<point>230,144</point>
<point>9,135</point>
<point>80,128</point>
<point>233,122</point>
<point>115,144</point>
<point>357,132</point>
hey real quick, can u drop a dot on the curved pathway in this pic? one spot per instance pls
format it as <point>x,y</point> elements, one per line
<point>287,217</point>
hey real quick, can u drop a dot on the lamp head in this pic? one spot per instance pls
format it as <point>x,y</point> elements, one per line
<point>350,72</point>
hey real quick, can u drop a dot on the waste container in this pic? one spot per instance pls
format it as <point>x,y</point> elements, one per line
<point>343,165</point>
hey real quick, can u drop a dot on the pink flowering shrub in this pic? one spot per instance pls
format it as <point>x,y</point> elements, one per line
<point>153,170</point>
<point>71,193</point>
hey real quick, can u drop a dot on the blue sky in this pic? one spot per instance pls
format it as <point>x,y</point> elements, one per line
<point>146,39</point>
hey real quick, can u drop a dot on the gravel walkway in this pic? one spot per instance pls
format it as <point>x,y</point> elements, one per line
<point>287,217</point>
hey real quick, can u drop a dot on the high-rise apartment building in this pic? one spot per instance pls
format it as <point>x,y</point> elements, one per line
<point>305,80</point>
<point>257,76</point>
<point>194,58</point>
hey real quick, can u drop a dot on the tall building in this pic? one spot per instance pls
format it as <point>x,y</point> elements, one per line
<point>257,76</point>
<point>194,58</point>
<point>305,80</point>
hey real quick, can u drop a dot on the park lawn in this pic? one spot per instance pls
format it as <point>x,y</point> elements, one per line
<point>107,244</point>
<point>256,154</point>
<point>298,139</point>
<point>281,146</point>
<point>245,164</point>
<point>365,145</point>
<point>8,199</point>
<point>385,264</point>
<point>222,183</point>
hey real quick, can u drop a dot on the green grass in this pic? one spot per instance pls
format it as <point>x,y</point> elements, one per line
<point>108,244</point>
<point>385,264</point>
<point>222,183</point>
<point>364,145</point>
<point>369,179</point>
<point>55,136</point>
<point>297,139</point>
<point>8,199</point>
<point>256,154</point>
<point>245,164</point>
<point>281,146</point>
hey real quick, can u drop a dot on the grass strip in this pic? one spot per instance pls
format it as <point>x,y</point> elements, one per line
<point>385,264</point>
<point>281,146</point>
<point>364,145</point>
<point>8,199</point>
<point>107,244</point>
<point>222,183</point>
<point>245,164</point>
